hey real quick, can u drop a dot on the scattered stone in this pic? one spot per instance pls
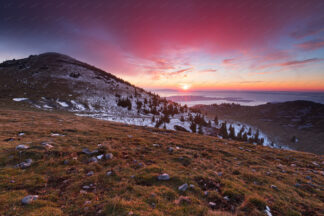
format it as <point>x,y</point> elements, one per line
<point>130,213</point>
<point>93,159</point>
<point>267,211</point>
<point>109,173</point>
<point>66,162</point>
<point>163,177</point>
<point>87,202</point>
<point>22,147</point>
<point>293,165</point>
<point>28,199</point>
<point>177,147</point>
<point>9,139</point>
<point>219,173</point>
<point>156,145</point>
<point>314,163</point>
<point>226,198</point>
<point>56,134</point>
<point>241,148</point>
<point>100,157</point>
<point>21,134</point>
<point>308,178</point>
<point>83,192</point>
<point>86,151</point>
<point>170,149</point>
<point>47,145</point>
<point>109,156</point>
<point>212,204</point>
<point>182,200</point>
<point>86,187</point>
<point>23,165</point>
<point>274,187</point>
<point>90,173</point>
<point>297,185</point>
<point>206,193</point>
<point>192,186</point>
<point>183,187</point>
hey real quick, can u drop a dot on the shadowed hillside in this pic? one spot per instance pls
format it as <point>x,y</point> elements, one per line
<point>296,124</point>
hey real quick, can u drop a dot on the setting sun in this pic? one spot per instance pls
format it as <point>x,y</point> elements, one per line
<point>185,87</point>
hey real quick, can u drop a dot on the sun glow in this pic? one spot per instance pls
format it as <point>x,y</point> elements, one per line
<point>185,87</point>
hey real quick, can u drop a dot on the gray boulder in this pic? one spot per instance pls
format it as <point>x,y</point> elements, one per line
<point>163,177</point>
<point>23,165</point>
<point>183,187</point>
<point>109,156</point>
<point>28,199</point>
<point>93,159</point>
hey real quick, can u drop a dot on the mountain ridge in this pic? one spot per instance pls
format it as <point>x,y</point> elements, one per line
<point>53,81</point>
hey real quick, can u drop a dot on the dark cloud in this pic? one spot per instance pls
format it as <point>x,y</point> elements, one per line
<point>300,62</point>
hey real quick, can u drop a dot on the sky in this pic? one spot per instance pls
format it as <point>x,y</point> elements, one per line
<point>177,44</point>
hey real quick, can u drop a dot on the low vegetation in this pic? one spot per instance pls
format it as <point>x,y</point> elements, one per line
<point>224,177</point>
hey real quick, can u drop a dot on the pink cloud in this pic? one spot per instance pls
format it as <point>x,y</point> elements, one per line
<point>311,45</point>
<point>208,71</point>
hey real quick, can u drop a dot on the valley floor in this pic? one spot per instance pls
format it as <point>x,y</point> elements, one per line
<point>84,166</point>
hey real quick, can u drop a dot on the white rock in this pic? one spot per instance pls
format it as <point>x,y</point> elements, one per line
<point>267,211</point>
<point>22,147</point>
<point>19,99</point>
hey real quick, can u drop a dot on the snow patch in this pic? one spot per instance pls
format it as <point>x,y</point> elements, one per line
<point>47,106</point>
<point>62,103</point>
<point>78,106</point>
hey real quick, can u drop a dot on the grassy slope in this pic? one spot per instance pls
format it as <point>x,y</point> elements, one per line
<point>134,188</point>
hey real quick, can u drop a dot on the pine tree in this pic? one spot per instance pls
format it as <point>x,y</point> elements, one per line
<point>223,130</point>
<point>245,138</point>
<point>250,132</point>
<point>256,136</point>
<point>153,118</point>
<point>182,119</point>
<point>232,132</point>
<point>200,131</point>
<point>216,120</point>
<point>193,127</point>
<point>240,134</point>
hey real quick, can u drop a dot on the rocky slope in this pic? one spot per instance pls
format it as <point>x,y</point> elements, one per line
<point>54,163</point>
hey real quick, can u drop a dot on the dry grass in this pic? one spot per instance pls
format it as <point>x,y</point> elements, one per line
<point>210,164</point>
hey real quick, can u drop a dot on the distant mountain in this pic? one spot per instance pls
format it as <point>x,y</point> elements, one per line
<point>296,124</point>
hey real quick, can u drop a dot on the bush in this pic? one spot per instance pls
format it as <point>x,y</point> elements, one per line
<point>125,103</point>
